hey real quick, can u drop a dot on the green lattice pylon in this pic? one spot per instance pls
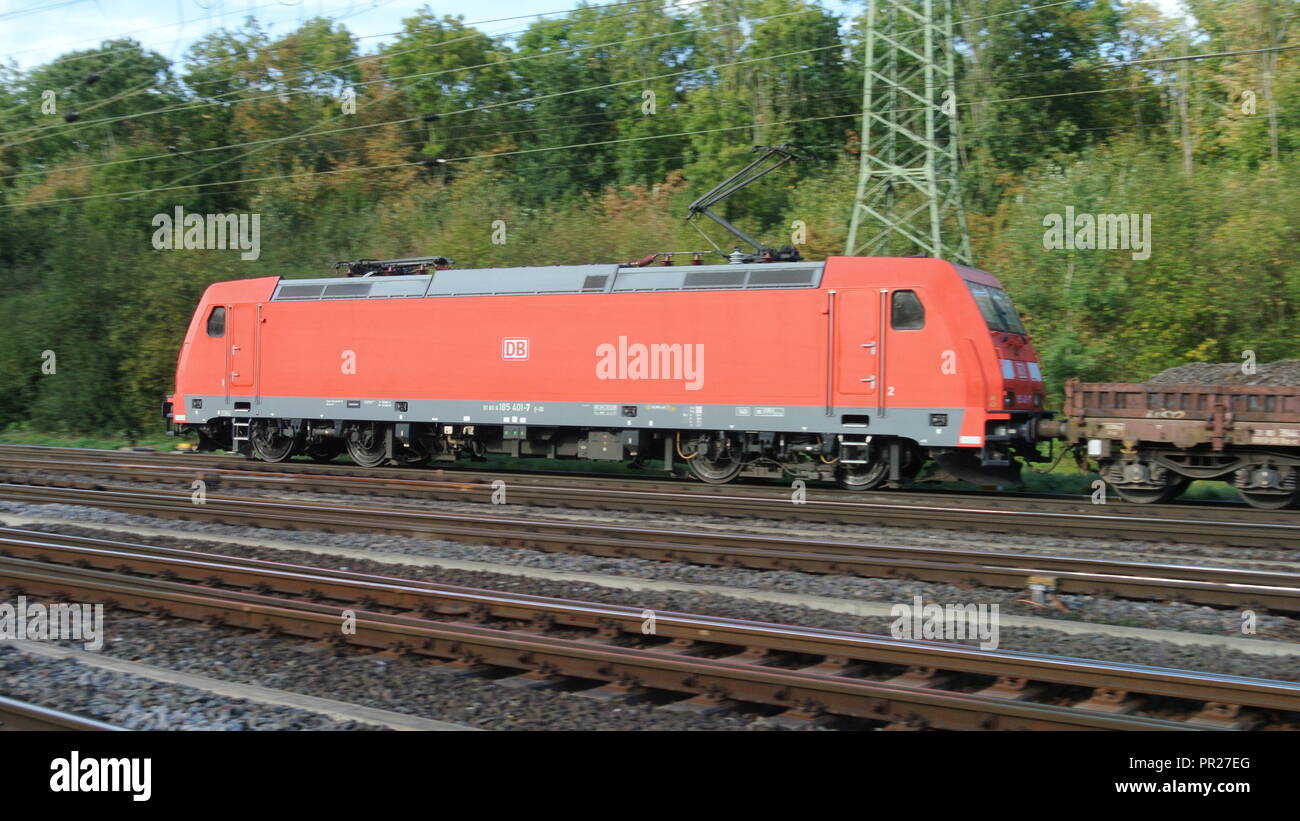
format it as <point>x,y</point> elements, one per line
<point>909,199</point>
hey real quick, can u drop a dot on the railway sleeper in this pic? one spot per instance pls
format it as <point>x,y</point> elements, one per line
<point>806,713</point>
<point>929,677</point>
<point>1110,700</point>
<point>544,677</point>
<point>1015,688</point>
<point>1222,716</point>
<point>713,701</point>
<point>624,690</point>
<point>837,666</point>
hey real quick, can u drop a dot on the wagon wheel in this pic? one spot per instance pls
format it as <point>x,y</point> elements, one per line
<point>366,445</point>
<point>270,441</point>
<point>1145,496</point>
<point>714,465</point>
<point>1270,501</point>
<point>325,450</point>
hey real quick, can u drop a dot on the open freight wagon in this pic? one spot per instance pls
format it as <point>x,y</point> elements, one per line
<point>1152,439</point>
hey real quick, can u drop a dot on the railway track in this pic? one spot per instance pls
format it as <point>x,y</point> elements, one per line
<point>463,472</point>
<point>812,674</point>
<point>1221,525</point>
<point>1257,589</point>
<point>20,715</point>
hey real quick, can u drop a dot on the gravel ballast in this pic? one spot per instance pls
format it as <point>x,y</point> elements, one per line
<point>413,687</point>
<point>139,703</point>
<point>1170,616</point>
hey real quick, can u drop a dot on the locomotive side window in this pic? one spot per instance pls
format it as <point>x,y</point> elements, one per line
<point>996,307</point>
<point>906,313</point>
<point>217,321</point>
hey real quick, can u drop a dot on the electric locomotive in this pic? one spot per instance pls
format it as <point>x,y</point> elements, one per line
<point>864,369</point>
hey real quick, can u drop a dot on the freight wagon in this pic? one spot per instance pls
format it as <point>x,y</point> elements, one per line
<point>1152,439</point>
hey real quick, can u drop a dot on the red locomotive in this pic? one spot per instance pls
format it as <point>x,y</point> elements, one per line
<point>859,367</point>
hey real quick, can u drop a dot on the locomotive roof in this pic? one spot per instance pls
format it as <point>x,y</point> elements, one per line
<point>556,279</point>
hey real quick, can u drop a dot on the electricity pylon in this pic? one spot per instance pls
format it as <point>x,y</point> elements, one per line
<point>909,199</point>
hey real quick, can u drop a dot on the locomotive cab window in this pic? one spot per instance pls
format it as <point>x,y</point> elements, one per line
<point>906,313</point>
<point>996,307</point>
<point>217,321</point>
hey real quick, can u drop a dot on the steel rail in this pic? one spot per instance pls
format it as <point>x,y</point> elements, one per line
<point>1206,524</point>
<point>21,715</point>
<point>171,573</point>
<point>1261,533</point>
<point>1269,590</point>
<point>457,475</point>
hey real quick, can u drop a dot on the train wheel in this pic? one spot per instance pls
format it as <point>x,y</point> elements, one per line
<point>1145,496</point>
<point>1269,501</point>
<point>715,462</point>
<point>875,472</point>
<point>366,445</point>
<point>862,477</point>
<point>270,441</point>
<point>325,450</point>
<point>717,471</point>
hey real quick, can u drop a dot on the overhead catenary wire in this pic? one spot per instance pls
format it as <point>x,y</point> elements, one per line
<point>125,53</point>
<point>192,104</point>
<point>274,140</point>
<point>1129,89</point>
<point>389,166</point>
<point>597,118</point>
<point>601,118</point>
<point>251,9</point>
<point>517,152</point>
<point>356,61</point>
<point>10,15</point>
<point>266,143</point>
<point>279,95</point>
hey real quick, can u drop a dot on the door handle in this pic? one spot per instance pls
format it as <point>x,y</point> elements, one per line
<point>234,347</point>
<point>870,345</point>
<point>870,379</point>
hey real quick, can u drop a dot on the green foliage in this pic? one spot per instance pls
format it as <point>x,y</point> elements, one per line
<point>587,134</point>
<point>1221,278</point>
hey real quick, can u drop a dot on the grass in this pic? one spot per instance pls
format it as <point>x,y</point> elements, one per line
<point>16,435</point>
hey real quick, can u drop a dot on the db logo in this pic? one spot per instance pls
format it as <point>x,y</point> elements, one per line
<point>514,348</point>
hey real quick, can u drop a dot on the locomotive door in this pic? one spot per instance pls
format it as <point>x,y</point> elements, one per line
<point>859,338</point>
<point>243,350</point>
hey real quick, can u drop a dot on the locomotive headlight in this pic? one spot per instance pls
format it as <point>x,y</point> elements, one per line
<point>1008,399</point>
<point>1038,400</point>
